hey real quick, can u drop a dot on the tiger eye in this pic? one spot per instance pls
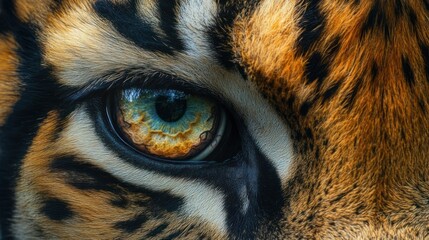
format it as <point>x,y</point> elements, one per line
<point>167,124</point>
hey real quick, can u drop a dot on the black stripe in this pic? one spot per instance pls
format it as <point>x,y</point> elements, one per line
<point>220,32</point>
<point>422,106</point>
<point>374,71</point>
<point>86,176</point>
<point>413,17</point>
<point>173,235</point>
<point>376,21</point>
<point>125,19</point>
<point>157,230</point>
<point>220,36</point>
<point>168,14</point>
<point>408,71</point>
<point>349,99</point>
<point>131,225</point>
<point>316,69</point>
<point>402,9</point>
<point>425,55</point>
<point>330,92</point>
<point>399,7</point>
<point>305,107</point>
<point>312,24</point>
<point>57,209</point>
<point>341,195</point>
<point>37,97</point>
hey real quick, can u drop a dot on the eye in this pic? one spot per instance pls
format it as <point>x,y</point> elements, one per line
<point>170,124</point>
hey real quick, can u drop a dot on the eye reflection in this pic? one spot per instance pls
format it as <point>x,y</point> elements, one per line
<point>169,124</point>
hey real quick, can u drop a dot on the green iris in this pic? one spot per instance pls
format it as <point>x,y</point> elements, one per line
<point>168,123</point>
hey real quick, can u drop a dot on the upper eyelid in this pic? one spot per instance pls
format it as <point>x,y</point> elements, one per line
<point>124,79</point>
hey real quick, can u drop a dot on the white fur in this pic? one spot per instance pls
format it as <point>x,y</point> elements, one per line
<point>200,200</point>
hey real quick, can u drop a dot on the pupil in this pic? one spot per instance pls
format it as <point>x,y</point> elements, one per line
<point>170,109</point>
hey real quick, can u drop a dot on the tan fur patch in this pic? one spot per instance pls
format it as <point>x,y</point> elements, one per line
<point>29,11</point>
<point>9,82</point>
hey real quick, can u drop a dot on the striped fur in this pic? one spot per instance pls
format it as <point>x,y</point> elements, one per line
<point>329,100</point>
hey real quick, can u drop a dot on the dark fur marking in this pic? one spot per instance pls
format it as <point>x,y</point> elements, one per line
<point>120,202</point>
<point>413,17</point>
<point>376,21</point>
<point>399,7</point>
<point>349,99</point>
<point>312,24</point>
<point>317,154</point>
<point>86,176</point>
<point>167,11</point>
<point>157,230</point>
<point>422,106</point>
<point>374,71</point>
<point>359,209</point>
<point>131,225</point>
<point>308,133</point>
<point>173,235</point>
<point>291,101</point>
<point>38,95</point>
<point>311,217</point>
<point>242,72</point>
<point>331,92</point>
<point>408,71</point>
<point>402,8</point>
<point>425,55</point>
<point>56,209</point>
<point>305,107</point>
<point>340,196</point>
<point>125,20</point>
<point>426,3</point>
<point>316,69</point>
<point>334,47</point>
<point>219,34</point>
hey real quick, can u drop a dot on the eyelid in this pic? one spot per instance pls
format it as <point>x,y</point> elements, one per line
<point>126,79</point>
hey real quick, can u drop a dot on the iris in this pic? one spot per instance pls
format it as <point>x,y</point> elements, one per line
<point>168,123</point>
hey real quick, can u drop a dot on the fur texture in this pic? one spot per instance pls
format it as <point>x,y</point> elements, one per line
<point>328,102</point>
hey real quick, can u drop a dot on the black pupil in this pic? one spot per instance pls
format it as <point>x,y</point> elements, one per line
<point>169,108</point>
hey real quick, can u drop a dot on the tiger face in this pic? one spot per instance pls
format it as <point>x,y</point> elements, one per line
<point>202,119</point>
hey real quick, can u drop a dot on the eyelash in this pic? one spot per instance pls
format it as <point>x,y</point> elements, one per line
<point>128,80</point>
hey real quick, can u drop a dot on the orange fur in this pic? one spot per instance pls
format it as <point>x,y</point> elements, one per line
<point>374,154</point>
<point>9,82</point>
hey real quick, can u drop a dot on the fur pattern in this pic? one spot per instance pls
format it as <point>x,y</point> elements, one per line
<point>328,98</point>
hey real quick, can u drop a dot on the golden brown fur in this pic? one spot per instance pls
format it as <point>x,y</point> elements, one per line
<point>371,163</point>
<point>9,83</point>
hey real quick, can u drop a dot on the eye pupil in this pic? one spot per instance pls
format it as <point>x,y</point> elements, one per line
<point>170,108</point>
